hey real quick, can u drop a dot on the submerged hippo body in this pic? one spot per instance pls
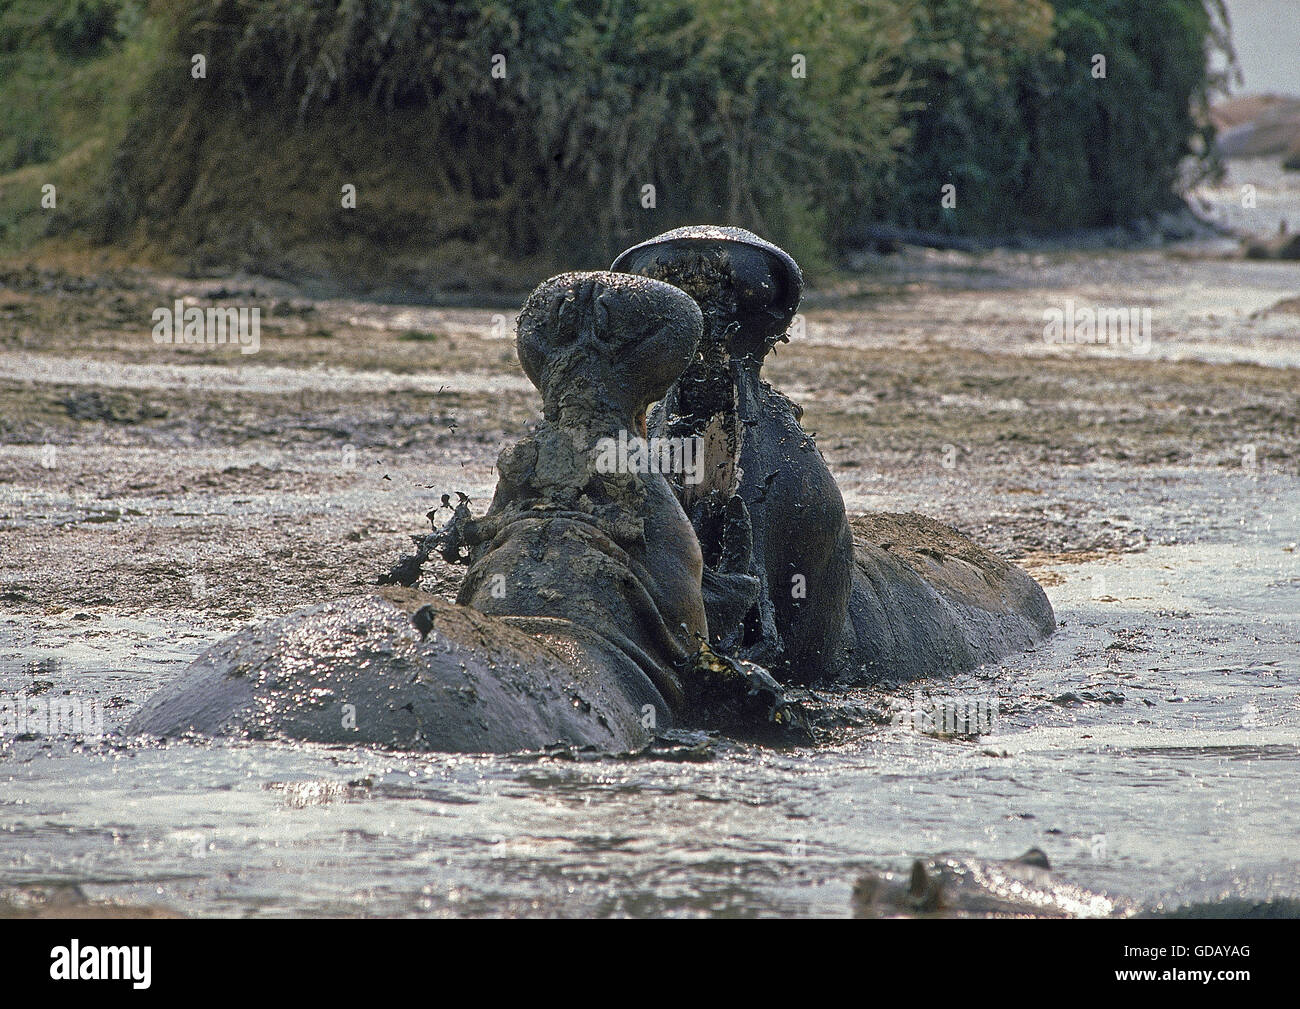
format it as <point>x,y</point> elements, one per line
<point>926,600</point>
<point>1283,245</point>
<point>581,605</point>
<point>1027,887</point>
<point>362,671</point>
<point>942,887</point>
<point>889,596</point>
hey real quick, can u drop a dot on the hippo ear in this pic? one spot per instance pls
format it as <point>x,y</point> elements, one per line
<point>1035,857</point>
<point>918,880</point>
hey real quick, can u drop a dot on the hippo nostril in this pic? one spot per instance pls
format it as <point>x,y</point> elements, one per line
<point>616,330</point>
<point>567,319</point>
<point>600,313</point>
<point>581,312</point>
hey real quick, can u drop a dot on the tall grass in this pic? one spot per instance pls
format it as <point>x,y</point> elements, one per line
<point>67,71</point>
<point>600,99</point>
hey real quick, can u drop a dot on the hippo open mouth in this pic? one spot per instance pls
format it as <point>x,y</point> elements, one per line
<point>834,600</point>
<point>747,290</point>
<point>580,619</point>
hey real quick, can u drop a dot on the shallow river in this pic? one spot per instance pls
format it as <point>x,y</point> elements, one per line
<point>1151,748</point>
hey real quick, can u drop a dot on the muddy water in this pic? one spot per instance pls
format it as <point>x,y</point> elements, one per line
<point>1151,747</point>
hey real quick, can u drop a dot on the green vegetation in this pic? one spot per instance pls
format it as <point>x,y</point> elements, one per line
<point>1010,111</point>
<point>466,180</point>
<point>67,69</point>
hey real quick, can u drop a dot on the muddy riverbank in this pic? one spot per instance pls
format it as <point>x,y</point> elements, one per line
<point>153,498</point>
<point>131,472</point>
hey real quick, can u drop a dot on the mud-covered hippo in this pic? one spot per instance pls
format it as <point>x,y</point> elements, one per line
<point>966,888</point>
<point>897,596</point>
<point>1025,887</point>
<point>580,620</point>
<point>1284,245</point>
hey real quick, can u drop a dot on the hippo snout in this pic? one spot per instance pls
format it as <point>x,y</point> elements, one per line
<point>619,338</point>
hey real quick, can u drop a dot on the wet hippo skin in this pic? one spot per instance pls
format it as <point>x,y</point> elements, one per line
<point>359,671</point>
<point>756,454</point>
<point>926,600</point>
<point>582,599</point>
<point>889,596</point>
<point>949,887</point>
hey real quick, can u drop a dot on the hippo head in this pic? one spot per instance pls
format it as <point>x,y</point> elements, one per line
<point>748,288</point>
<point>602,346</point>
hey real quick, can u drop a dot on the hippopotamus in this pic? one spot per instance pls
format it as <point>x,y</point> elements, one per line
<point>887,596</point>
<point>948,887</point>
<point>1284,245</point>
<point>580,620</point>
<point>1026,887</point>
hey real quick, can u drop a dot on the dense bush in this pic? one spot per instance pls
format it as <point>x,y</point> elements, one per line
<point>1008,110</point>
<point>82,28</point>
<point>45,49</point>
<point>695,97</point>
<point>600,98</point>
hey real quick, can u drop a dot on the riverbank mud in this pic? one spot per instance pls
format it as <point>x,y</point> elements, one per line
<point>155,498</point>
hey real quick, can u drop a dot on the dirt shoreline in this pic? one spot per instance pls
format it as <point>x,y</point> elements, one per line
<point>153,499</point>
<point>136,477</point>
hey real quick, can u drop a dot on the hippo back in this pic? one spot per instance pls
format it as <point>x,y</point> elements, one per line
<point>405,671</point>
